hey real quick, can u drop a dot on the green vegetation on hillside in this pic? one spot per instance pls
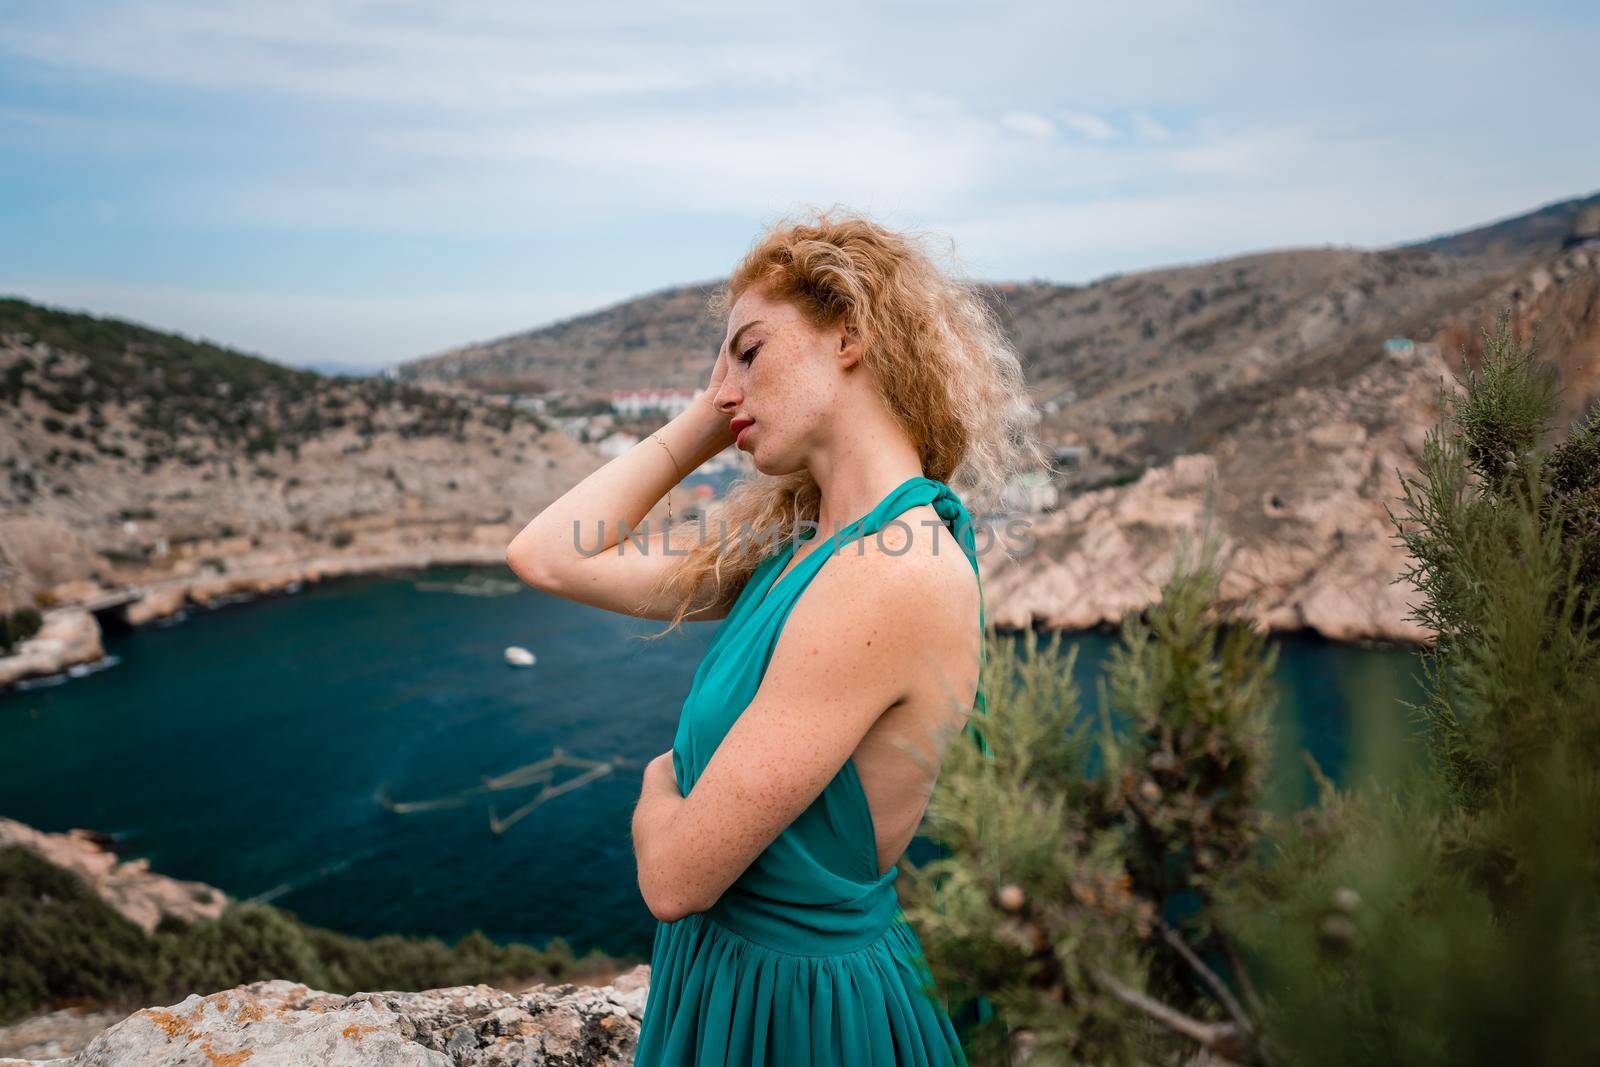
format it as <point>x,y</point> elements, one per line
<point>191,399</point>
<point>17,626</point>
<point>60,943</point>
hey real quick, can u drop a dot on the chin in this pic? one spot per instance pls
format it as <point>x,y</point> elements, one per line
<point>773,468</point>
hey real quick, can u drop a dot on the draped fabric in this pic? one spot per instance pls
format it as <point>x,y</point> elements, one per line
<point>807,959</point>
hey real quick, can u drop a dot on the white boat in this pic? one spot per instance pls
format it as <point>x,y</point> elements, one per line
<point>518,656</point>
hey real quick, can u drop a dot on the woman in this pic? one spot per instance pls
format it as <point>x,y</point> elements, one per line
<point>859,377</point>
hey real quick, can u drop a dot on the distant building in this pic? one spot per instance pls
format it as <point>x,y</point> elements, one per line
<point>669,402</point>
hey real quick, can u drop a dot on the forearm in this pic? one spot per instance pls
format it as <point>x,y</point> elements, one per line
<point>591,515</point>
<point>659,882</point>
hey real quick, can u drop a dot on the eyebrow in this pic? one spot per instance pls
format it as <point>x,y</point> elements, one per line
<point>739,332</point>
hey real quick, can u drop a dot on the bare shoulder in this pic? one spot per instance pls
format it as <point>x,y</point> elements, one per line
<point>909,589</point>
<point>895,614</point>
<point>918,558</point>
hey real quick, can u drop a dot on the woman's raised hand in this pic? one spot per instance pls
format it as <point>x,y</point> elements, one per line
<point>718,372</point>
<point>709,397</point>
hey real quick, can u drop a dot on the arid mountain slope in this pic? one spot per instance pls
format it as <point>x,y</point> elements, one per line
<point>1536,234</point>
<point>664,338</point>
<point>1135,368</point>
<point>1301,378</point>
<point>127,455</point>
<point>1141,368</point>
<point>1302,474</point>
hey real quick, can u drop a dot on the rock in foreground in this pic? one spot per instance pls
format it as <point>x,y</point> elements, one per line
<point>282,1023</point>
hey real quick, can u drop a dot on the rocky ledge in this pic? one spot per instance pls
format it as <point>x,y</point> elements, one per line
<point>286,1023</point>
<point>141,895</point>
<point>68,637</point>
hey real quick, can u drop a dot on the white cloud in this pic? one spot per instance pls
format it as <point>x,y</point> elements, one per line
<point>1029,125</point>
<point>1150,128</point>
<point>1259,152</point>
<point>1092,126</point>
<point>508,177</point>
<point>505,56</point>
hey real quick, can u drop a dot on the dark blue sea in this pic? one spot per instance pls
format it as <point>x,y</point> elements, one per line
<point>252,747</point>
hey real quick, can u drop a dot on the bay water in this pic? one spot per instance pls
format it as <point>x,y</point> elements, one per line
<point>264,748</point>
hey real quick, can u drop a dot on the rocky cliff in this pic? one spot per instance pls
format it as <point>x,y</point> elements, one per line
<point>1302,475</point>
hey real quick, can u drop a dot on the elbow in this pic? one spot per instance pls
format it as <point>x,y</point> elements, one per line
<point>527,565</point>
<point>667,911</point>
<point>666,903</point>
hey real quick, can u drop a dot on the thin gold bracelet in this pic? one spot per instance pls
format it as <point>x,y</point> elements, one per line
<point>676,468</point>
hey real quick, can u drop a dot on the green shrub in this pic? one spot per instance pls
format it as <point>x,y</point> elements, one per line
<point>1125,899</point>
<point>1449,912</point>
<point>1084,861</point>
<point>19,626</point>
<point>59,941</point>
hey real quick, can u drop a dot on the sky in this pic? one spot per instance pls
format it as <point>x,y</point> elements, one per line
<point>364,183</point>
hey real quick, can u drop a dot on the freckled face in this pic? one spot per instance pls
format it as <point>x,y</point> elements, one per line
<point>783,373</point>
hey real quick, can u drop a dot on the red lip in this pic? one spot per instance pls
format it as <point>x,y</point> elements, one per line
<point>739,425</point>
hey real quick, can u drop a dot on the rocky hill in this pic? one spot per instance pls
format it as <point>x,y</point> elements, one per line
<point>1302,379</point>
<point>1135,369</point>
<point>129,456</point>
<point>1142,368</point>
<point>664,338</point>
<point>1533,235</point>
<point>1304,460</point>
<point>138,894</point>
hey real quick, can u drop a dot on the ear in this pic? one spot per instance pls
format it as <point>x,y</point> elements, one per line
<point>850,346</point>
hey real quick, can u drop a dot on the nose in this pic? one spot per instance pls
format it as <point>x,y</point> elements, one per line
<point>728,396</point>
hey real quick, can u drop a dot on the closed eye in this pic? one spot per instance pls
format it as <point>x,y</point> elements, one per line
<point>750,353</point>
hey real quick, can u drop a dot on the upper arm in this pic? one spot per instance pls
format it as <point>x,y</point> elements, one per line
<point>625,578</point>
<point>847,653</point>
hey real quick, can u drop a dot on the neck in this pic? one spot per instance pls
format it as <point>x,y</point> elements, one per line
<point>868,457</point>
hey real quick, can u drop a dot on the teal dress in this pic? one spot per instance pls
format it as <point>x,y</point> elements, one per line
<point>806,960</point>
